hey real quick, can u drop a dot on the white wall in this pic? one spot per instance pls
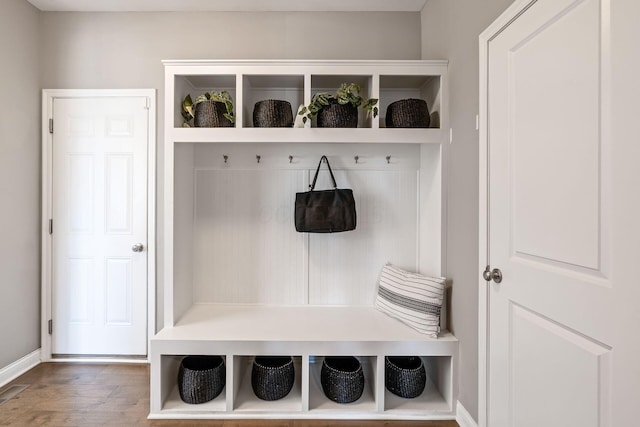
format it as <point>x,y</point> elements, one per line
<point>124,50</point>
<point>450,30</point>
<point>19,181</point>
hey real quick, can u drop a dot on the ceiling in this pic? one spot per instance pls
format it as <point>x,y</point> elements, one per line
<point>230,5</point>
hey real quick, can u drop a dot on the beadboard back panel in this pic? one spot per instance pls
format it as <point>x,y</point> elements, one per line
<point>344,267</point>
<point>245,247</point>
<point>183,228</point>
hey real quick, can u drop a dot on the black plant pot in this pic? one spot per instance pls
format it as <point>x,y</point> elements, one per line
<point>210,114</point>
<point>408,113</point>
<point>336,115</point>
<point>272,113</point>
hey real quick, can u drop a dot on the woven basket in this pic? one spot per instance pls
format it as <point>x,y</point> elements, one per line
<point>405,376</point>
<point>408,113</point>
<point>210,114</point>
<point>272,113</point>
<point>201,378</point>
<point>272,377</point>
<point>337,115</point>
<point>342,379</point>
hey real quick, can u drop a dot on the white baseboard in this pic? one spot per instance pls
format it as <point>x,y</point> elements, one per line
<point>19,367</point>
<point>110,360</point>
<point>463,418</point>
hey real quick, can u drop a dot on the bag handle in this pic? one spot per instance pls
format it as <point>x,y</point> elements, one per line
<point>313,185</point>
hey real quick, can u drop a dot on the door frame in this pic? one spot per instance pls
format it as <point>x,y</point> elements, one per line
<point>46,300</point>
<point>509,15</point>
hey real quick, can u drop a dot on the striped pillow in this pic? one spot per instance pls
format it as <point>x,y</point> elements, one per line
<point>412,298</point>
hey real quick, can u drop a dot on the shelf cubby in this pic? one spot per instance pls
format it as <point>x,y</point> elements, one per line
<point>245,399</point>
<point>436,395</point>
<point>173,404</point>
<point>259,87</point>
<point>397,87</point>
<point>196,85</point>
<point>330,83</point>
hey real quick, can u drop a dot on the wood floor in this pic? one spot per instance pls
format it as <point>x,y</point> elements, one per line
<point>61,394</point>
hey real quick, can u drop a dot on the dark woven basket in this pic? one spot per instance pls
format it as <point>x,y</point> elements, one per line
<point>201,378</point>
<point>272,377</point>
<point>342,379</point>
<point>210,114</point>
<point>337,115</point>
<point>408,113</point>
<point>405,376</point>
<point>272,113</point>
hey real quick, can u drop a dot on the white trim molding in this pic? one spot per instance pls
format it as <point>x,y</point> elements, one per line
<point>48,95</point>
<point>229,6</point>
<point>19,367</point>
<point>101,360</point>
<point>463,418</point>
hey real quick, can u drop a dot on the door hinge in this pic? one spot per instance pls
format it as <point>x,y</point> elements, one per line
<point>147,103</point>
<point>50,326</point>
<point>50,125</point>
<point>50,226</point>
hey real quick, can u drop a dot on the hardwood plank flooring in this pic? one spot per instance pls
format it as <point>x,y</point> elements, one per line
<point>71,394</point>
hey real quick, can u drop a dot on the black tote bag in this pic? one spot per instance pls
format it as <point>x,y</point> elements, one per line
<point>326,211</point>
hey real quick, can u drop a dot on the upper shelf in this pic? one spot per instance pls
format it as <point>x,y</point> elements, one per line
<point>306,135</point>
<point>296,82</point>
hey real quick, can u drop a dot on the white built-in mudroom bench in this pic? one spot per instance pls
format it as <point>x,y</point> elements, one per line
<point>240,282</point>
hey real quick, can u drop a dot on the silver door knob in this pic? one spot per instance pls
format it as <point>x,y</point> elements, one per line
<point>489,275</point>
<point>138,247</point>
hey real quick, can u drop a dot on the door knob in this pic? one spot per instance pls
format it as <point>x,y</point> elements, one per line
<point>138,247</point>
<point>489,275</point>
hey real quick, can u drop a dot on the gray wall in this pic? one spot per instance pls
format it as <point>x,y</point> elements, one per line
<point>19,181</point>
<point>124,50</point>
<point>450,30</point>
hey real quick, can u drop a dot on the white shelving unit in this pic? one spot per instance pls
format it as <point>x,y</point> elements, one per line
<point>240,282</point>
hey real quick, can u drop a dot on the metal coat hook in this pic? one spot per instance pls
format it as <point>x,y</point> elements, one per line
<point>388,159</point>
<point>290,159</point>
<point>225,158</point>
<point>258,157</point>
<point>356,159</point>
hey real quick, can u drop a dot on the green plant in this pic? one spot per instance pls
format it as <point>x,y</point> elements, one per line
<point>348,93</point>
<point>189,106</point>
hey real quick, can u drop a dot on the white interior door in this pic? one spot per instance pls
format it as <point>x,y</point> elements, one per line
<point>551,321</point>
<point>99,205</point>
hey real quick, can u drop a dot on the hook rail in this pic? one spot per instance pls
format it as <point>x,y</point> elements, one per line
<point>356,158</point>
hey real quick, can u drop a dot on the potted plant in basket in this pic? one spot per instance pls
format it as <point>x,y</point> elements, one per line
<point>339,110</point>
<point>211,109</point>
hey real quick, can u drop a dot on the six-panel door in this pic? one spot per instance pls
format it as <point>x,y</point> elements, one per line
<point>100,213</point>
